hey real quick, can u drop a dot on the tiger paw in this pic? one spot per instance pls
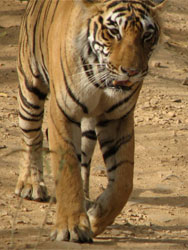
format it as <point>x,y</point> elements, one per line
<point>79,232</point>
<point>32,191</point>
<point>99,218</point>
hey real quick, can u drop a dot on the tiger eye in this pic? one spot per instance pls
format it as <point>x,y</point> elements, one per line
<point>114,31</point>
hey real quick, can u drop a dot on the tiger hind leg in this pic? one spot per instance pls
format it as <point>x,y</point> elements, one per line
<point>88,143</point>
<point>32,94</point>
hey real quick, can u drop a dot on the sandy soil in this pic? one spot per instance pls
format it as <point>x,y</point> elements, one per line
<point>156,216</point>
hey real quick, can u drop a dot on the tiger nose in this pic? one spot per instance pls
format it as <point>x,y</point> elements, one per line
<point>129,72</point>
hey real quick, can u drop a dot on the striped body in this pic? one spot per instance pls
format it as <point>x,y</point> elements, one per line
<point>93,56</point>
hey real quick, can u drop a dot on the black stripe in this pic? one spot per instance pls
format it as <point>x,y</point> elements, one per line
<point>41,37</point>
<point>62,111</point>
<point>100,20</point>
<point>51,20</point>
<point>110,21</point>
<point>105,143</point>
<point>95,30</point>
<point>113,150</point>
<point>36,76</point>
<point>142,4</point>
<point>79,157</point>
<point>35,144</point>
<point>55,11</point>
<point>87,67</point>
<point>110,152</point>
<point>141,11</point>
<point>86,165</point>
<point>122,101</point>
<point>103,37</point>
<point>33,8</point>
<point>35,34</point>
<point>43,66</point>
<point>46,17</point>
<point>36,91</point>
<point>120,15</point>
<point>45,72</point>
<point>120,9</point>
<point>28,119</point>
<point>103,123</point>
<point>83,153</point>
<point>68,117</point>
<point>89,71</point>
<point>112,37</point>
<point>90,134</point>
<point>67,140</point>
<point>114,167</point>
<point>113,4</point>
<point>88,28</point>
<point>84,108</point>
<point>26,103</point>
<point>125,115</point>
<point>31,130</point>
<point>89,50</point>
<point>40,115</point>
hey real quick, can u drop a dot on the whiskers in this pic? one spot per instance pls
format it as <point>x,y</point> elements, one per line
<point>95,74</point>
<point>91,78</point>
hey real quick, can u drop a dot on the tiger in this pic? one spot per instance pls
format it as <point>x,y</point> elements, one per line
<point>91,57</point>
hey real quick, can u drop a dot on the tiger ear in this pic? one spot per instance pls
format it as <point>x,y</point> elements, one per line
<point>89,3</point>
<point>159,4</point>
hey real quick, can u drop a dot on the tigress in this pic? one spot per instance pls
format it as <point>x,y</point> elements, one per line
<point>93,56</point>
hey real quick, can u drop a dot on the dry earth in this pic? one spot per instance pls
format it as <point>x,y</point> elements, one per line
<point>156,216</point>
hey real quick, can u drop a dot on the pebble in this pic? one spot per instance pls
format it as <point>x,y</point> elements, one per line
<point>185,81</point>
<point>171,114</point>
<point>178,100</point>
<point>156,64</point>
<point>146,105</point>
<point>154,102</point>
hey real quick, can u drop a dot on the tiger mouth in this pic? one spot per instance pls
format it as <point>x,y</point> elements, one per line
<point>126,83</point>
<point>120,85</point>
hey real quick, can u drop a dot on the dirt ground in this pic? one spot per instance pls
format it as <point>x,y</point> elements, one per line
<point>156,216</point>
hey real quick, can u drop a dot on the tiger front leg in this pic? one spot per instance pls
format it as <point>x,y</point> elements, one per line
<point>72,223</point>
<point>30,184</point>
<point>88,142</point>
<point>117,144</point>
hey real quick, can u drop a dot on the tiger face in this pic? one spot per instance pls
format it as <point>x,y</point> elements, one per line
<point>122,36</point>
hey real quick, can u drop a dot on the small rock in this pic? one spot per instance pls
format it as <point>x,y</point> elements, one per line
<point>25,209</point>
<point>154,102</point>
<point>139,120</point>
<point>178,121</point>
<point>156,64</point>
<point>171,114</point>
<point>177,100</point>
<point>146,105</point>
<point>185,81</point>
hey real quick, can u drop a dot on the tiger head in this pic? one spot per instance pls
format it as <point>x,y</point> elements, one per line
<point>121,35</point>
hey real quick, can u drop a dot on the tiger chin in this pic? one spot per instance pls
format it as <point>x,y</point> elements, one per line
<point>92,56</point>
